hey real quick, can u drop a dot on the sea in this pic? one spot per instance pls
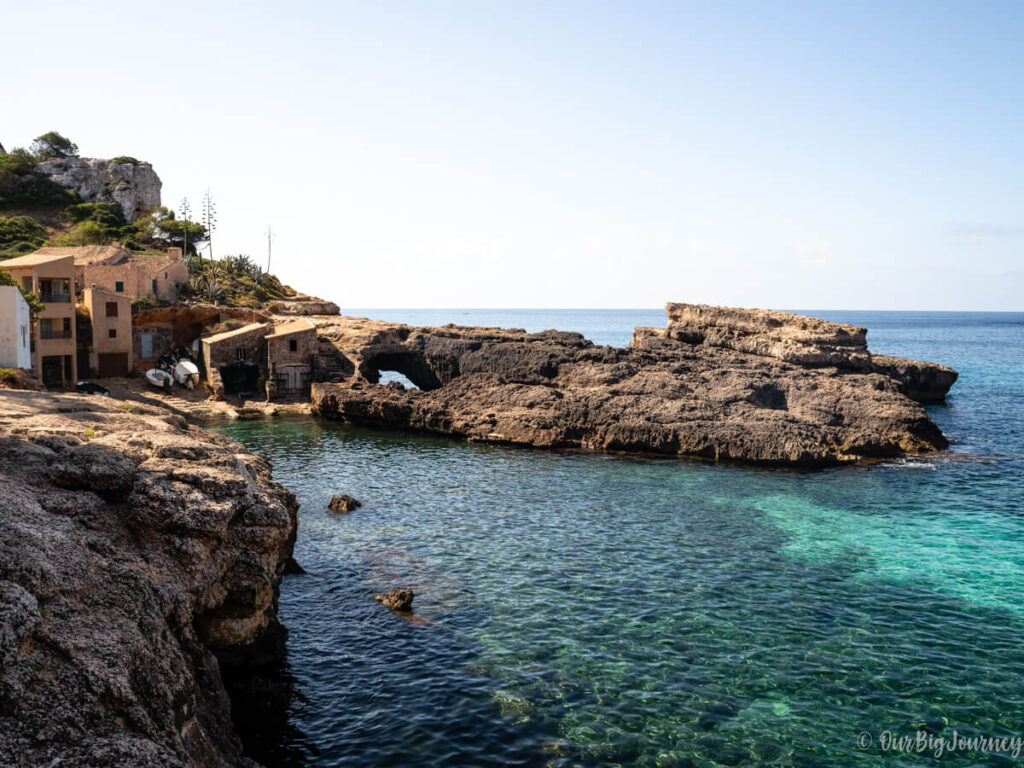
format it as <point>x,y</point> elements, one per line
<point>581,609</point>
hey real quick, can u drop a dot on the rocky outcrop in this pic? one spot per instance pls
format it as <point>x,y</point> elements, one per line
<point>132,185</point>
<point>798,339</point>
<point>308,306</point>
<point>783,405</point>
<point>769,333</point>
<point>138,557</point>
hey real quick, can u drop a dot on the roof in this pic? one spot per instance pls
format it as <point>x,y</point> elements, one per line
<point>237,332</point>
<point>34,259</point>
<point>294,326</point>
<point>153,260</point>
<point>88,254</point>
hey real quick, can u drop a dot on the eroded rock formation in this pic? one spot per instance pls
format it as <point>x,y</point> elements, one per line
<point>762,387</point>
<point>134,553</point>
<point>132,185</point>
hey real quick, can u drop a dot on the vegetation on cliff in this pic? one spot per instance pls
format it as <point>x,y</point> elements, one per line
<point>42,212</point>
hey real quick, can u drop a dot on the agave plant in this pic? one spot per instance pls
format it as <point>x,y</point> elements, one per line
<point>193,263</point>
<point>214,290</point>
<point>197,285</point>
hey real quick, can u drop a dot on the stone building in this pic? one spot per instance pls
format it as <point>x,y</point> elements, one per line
<point>52,278</point>
<point>110,314</point>
<point>15,329</point>
<point>236,361</point>
<point>118,270</point>
<point>290,351</point>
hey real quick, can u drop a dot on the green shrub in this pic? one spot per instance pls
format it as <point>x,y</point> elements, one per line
<point>19,235</point>
<point>125,160</point>
<point>12,377</point>
<point>143,303</point>
<point>86,233</point>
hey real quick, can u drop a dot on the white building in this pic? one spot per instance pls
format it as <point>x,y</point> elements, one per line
<point>15,329</point>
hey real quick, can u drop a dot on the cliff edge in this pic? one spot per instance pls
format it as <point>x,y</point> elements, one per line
<point>134,553</point>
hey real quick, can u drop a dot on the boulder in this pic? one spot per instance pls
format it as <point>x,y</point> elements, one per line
<point>343,503</point>
<point>399,599</point>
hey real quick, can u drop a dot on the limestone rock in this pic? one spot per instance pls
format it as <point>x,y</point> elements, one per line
<point>399,599</point>
<point>343,503</point>
<point>133,186</point>
<point>803,393</point>
<point>125,589</point>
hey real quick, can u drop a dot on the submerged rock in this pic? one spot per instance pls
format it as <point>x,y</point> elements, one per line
<point>399,599</point>
<point>343,503</point>
<point>135,565</point>
<point>749,385</point>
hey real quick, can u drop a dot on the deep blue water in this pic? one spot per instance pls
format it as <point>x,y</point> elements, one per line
<point>582,609</point>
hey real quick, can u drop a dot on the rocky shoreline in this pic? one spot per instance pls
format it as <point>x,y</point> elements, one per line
<point>139,558</point>
<point>754,386</point>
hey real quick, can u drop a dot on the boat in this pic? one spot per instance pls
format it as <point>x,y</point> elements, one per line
<point>158,378</point>
<point>186,373</point>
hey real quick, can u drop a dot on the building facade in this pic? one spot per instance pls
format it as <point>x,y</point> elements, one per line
<point>52,278</point>
<point>110,314</point>
<point>290,350</point>
<point>236,360</point>
<point>15,329</point>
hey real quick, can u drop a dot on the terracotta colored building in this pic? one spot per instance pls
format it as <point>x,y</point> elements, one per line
<point>52,278</point>
<point>111,315</point>
<point>118,270</point>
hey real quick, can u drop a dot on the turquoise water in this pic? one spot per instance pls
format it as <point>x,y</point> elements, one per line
<point>591,610</point>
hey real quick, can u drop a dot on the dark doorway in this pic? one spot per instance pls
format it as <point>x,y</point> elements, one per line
<point>113,364</point>
<point>240,378</point>
<point>53,371</point>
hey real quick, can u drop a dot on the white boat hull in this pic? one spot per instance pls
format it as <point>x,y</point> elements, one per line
<point>186,374</point>
<point>158,378</point>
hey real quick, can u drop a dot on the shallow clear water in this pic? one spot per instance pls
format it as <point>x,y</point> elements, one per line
<point>592,610</point>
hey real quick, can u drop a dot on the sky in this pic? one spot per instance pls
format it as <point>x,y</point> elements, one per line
<point>827,154</point>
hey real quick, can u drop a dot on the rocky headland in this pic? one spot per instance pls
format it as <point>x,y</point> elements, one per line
<point>755,386</point>
<point>139,559</point>
<point>130,183</point>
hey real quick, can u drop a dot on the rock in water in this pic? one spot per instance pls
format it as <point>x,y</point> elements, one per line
<point>397,599</point>
<point>749,385</point>
<point>138,560</point>
<point>343,503</point>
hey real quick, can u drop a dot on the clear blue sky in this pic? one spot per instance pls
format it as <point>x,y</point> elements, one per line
<point>858,155</point>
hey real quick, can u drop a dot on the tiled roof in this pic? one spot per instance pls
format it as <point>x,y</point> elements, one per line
<point>237,332</point>
<point>294,326</point>
<point>153,260</point>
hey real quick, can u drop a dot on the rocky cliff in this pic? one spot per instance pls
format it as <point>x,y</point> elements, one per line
<point>137,557</point>
<point>806,394</point>
<point>132,185</point>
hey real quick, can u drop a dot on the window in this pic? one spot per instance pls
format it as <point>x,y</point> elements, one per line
<point>26,283</point>
<point>154,286</point>
<point>119,286</point>
<point>240,353</point>
<point>111,309</point>
<point>293,345</point>
<point>112,333</point>
<point>24,335</point>
<point>165,275</point>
